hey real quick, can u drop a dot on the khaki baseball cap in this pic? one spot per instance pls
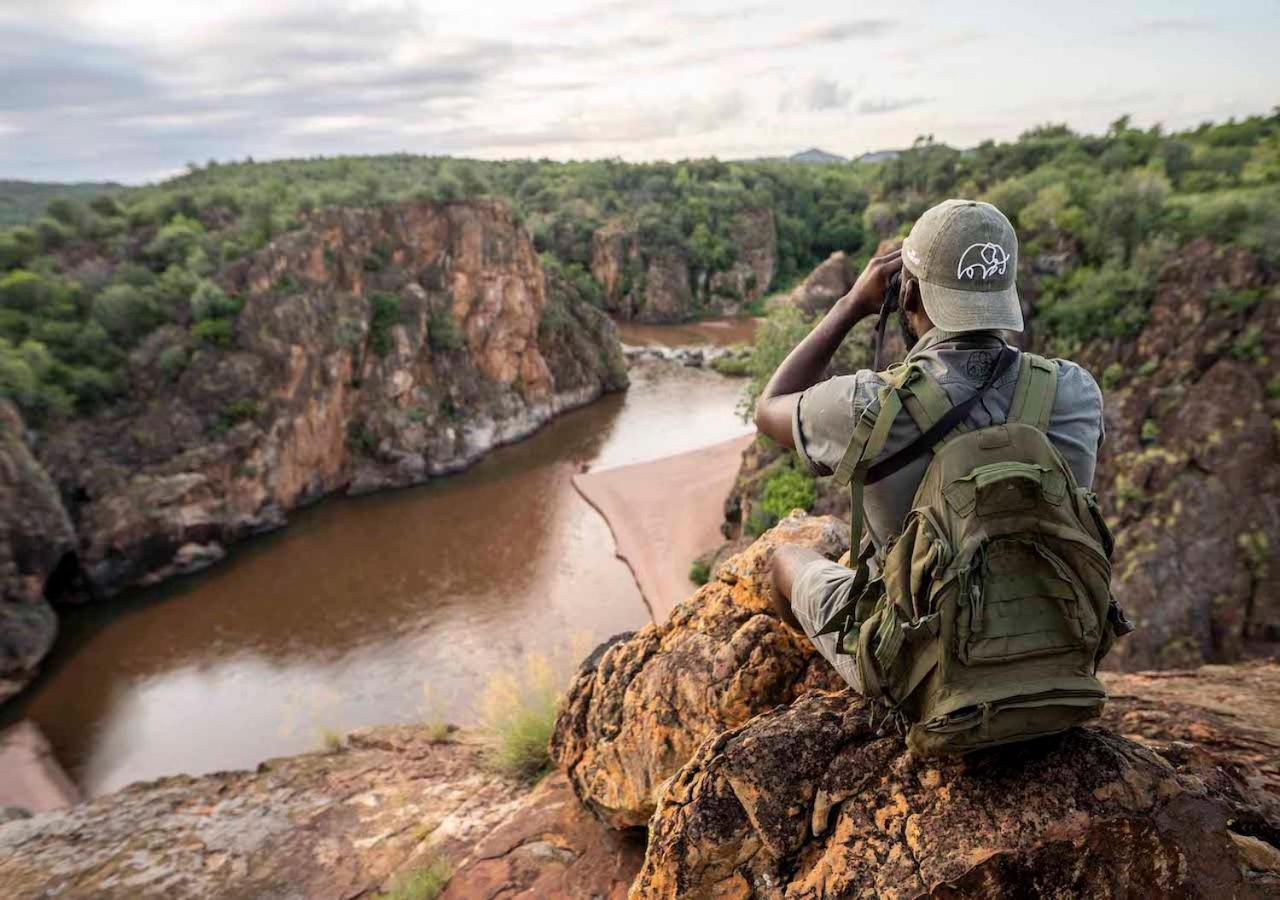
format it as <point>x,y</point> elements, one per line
<point>965,255</point>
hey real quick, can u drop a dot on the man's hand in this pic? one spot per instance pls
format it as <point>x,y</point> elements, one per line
<point>867,294</point>
<point>808,361</point>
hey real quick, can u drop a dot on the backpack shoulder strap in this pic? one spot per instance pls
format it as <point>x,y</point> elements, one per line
<point>1034,394</point>
<point>927,402</point>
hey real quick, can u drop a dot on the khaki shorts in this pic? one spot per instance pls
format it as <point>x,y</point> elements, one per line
<point>821,588</point>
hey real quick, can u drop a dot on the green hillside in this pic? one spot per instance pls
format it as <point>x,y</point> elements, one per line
<point>85,282</point>
<point>22,202</point>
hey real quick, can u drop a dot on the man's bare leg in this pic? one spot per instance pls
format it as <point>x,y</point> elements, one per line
<point>788,560</point>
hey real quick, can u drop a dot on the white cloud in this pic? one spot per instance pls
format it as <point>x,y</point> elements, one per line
<point>127,88</point>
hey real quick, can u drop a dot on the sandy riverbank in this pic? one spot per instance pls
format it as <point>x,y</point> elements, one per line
<point>638,500</point>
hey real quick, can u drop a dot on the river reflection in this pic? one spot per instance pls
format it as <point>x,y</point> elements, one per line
<point>363,607</point>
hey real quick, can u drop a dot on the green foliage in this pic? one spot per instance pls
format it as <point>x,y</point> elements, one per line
<point>1150,431</point>
<point>208,301</point>
<point>1248,345</point>
<point>518,713</point>
<point>361,439</point>
<point>700,572</point>
<point>443,332</point>
<point>237,411</point>
<point>787,489</point>
<point>732,365</point>
<point>425,883</point>
<point>1111,376</point>
<point>384,313</point>
<point>172,361</point>
<point>127,313</point>
<point>214,332</point>
<point>1112,205</point>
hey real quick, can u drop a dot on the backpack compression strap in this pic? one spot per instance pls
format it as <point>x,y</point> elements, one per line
<point>1035,392</point>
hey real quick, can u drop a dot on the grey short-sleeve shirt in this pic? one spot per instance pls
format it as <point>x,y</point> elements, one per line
<point>828,412</point>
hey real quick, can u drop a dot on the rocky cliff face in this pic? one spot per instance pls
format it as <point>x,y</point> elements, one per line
<point>818,797</point>
<point>1190,471</point>
<point>375,349</point>
<point>37,547</point>
<point>660,284</point>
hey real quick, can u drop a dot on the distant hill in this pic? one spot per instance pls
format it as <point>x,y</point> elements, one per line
<point>814,155</point>
<point>879,156</point>
<point>25,201</point>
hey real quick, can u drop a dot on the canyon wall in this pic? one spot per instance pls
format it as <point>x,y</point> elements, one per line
<point>653,282</point>
<point>374,349</point>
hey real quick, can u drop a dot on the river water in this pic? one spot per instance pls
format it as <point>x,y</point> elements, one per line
<point>396,607</point>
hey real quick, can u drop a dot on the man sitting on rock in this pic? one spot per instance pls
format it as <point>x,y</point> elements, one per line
<point>957,294</point>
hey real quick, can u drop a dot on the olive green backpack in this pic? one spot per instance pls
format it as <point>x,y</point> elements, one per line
<point>992,607</point>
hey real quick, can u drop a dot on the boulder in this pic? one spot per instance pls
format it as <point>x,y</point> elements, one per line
<point>640,705</point>
<point>825,285</point>
<point>821,799</point>
<point>36,541</point>
<point>549,847</point>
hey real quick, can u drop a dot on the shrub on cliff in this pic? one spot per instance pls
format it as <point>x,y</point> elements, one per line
<point>786,489</point>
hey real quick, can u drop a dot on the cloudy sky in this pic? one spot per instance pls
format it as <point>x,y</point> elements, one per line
<point>133,89</point>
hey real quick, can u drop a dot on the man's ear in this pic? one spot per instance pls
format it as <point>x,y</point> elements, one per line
<point>910,299</point>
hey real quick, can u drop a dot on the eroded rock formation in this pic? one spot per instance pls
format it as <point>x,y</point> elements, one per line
<point>813,800</point>
<point>654,283</point>
<point>36,539</point>
<point>813,794</point>
<point>376,348</point>
<point>825,285</point>
<point>639,707</point>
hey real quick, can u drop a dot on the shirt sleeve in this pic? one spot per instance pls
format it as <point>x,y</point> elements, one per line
<point>826,416</point>
<point>1076,426</point>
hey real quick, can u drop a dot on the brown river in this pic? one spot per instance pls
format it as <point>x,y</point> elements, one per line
<point>395,607</point>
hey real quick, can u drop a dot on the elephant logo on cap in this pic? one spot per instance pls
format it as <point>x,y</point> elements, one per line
<point>982,261</point>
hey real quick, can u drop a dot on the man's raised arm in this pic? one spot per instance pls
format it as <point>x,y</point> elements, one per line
<point>805,365</point>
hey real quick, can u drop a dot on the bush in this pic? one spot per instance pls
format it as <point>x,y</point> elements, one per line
<point>518,713</point>
<point>443,333</point>
<point>208,301</point>
<point>172,361</point>
<point>127,313</point>
<point>787,489</point>
<point>384,313</point>
<point>425,883</point>
<point>214,332</point>
<point>237,411</point>
<point>700,572</point>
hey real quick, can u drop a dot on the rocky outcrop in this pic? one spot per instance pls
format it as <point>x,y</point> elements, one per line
<point>639,707</point>
<point>658,282</point>
<point>1190,472</point>
<point>755,240</point>
<point>37,555</point>
<point>325,825</point>
<point>813,800</point>
<point>1174,793</point>
<point>375,349</point>
<point>823,286</point>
